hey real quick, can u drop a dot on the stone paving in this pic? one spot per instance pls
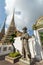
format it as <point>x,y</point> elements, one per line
<point>39,63</point>
<point>3,62</point>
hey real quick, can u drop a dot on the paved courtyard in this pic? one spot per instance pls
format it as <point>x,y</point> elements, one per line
<point>3,62</point>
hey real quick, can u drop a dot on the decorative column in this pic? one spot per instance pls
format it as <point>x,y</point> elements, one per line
<point>38,47</point>
<point>39,43</point>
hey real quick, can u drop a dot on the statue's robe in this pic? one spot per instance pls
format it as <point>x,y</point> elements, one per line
<point>25,45</point>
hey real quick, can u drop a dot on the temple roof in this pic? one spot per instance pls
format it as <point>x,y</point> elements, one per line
<point>11,30</point>
<point>12,26</point>
<point>2,32</point>
<point>39,23</point>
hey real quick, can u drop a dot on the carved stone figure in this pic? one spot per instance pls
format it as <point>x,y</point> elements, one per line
<point>25,46</point>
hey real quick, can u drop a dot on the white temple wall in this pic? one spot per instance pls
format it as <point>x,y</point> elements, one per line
<point>5,49</point>
<point>18,44</point>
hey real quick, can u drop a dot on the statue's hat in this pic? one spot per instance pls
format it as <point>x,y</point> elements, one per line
<point>25,28</point>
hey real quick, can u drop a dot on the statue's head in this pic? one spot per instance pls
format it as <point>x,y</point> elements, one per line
<point>24,29</point>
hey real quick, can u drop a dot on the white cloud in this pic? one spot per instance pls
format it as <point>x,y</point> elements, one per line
<point>40,1</point>
<point>8,20</point>
<point>31,10</point>
<point>19,19</point>
<point>9,6</point>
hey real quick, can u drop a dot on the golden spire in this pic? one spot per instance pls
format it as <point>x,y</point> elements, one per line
<point>3,28</point>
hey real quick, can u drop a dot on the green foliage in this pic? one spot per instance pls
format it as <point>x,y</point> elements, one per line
<point>13,55</point>
<point>41,33</point>
<point>12,38</point>
<point>41,37</point>
<point>13,35</point>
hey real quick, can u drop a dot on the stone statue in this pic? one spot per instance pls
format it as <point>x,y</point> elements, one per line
<point>25,46</point>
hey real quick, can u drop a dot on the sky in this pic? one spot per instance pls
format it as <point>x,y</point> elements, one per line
<point>30,11</point>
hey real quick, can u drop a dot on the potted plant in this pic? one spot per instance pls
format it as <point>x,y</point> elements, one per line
<point>13,56</point>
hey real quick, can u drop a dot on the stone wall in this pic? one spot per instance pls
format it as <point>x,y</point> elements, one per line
<point>5,49</point>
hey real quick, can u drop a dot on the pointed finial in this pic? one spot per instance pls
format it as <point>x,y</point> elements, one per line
<point>13,11</point>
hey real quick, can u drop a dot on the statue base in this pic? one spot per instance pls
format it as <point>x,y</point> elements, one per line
<point>25,61</point>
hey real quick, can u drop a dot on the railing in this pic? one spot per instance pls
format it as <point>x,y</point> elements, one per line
<point>5,49</point>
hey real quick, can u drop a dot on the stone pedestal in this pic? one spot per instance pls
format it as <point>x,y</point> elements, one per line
<point>24,61</point>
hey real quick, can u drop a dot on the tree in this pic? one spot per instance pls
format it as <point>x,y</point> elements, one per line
<point>12,40</point>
